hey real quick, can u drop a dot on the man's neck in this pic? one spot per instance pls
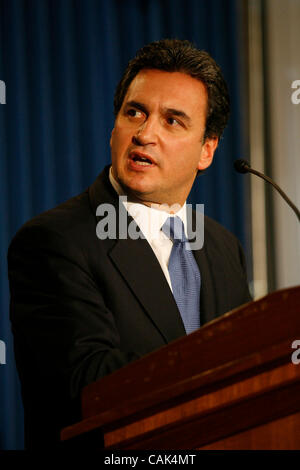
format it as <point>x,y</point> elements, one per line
<point>171,209</point>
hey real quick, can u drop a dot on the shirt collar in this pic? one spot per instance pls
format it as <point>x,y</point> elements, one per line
<point>149,219</point>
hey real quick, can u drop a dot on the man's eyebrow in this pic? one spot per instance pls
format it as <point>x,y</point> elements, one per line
<point>173,111</point>
<point>179,113</point>
<point>137,105</point>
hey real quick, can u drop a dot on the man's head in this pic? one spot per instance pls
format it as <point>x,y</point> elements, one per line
<point>175,55</point>
<point>171,107</point>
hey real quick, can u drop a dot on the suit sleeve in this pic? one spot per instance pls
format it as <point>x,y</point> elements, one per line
<point>236,271</point>
<point>246,297</point>
<point>59,318</point>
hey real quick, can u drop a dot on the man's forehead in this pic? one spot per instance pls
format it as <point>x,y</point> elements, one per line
<point>175,89</point>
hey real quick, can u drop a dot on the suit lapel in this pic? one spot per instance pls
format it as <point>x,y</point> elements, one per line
<point>140,269</point>
<point>207,291</point>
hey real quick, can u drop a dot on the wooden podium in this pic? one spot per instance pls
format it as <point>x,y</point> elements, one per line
<point>230,385</point>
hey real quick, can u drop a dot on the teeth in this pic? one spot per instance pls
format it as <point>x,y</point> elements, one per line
<point>144,163</point>
<point>141,160</point>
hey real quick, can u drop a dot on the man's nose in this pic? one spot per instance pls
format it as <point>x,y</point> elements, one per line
<point>147,133</point>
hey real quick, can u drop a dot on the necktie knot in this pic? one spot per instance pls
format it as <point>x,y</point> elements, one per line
<point>173,228</point>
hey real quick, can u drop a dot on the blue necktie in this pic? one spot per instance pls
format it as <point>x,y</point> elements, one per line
<point>184,274</point>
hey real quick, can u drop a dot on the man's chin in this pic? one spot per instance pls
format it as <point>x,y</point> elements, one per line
<point>144,192</point>
<point>137,188</point>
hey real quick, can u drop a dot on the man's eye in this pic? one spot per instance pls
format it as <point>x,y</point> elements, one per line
<point>134,112</point>
<point>172,121</point>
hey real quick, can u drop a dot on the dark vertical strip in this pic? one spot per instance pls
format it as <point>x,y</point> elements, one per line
<point>18,141</point>
<point>243,201</point>
<point>65,103</point>
<point>40,115</point>
<point>11,178</point>
<point>156,20</point>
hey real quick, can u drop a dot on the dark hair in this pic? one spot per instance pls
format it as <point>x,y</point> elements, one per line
<point>175,55</point>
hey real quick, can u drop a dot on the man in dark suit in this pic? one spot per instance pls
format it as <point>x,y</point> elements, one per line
<point>84,304</point>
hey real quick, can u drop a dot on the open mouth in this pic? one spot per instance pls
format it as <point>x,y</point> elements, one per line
<point>141,159</point>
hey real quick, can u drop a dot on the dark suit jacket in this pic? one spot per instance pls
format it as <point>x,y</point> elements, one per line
<point>83,307</point>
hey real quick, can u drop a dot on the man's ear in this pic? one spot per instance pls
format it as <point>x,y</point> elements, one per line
<point>207,152</point>
<point>111,136</point>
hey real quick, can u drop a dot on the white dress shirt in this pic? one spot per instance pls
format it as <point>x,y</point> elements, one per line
<point>150,220</point>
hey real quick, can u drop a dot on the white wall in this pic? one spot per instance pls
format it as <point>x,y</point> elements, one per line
<point>283,67</point>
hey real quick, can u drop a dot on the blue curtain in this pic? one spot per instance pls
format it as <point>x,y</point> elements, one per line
<point>60,61</point>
